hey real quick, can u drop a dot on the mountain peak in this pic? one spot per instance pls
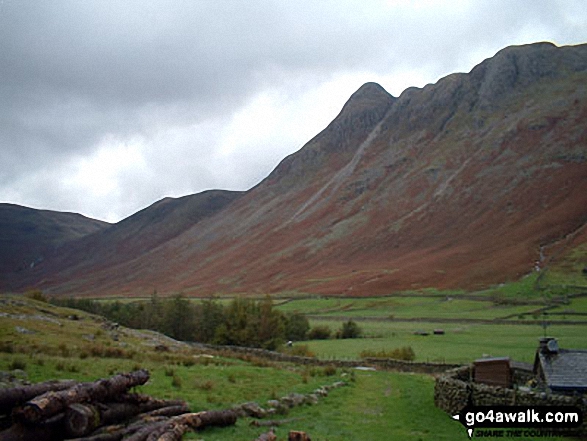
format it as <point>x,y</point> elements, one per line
<point>525,64</point>
<point>369,96</point>
<point>370,90</point>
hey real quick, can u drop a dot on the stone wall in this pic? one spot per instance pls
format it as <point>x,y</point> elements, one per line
<point>454,390</point>
<point>384,364</point>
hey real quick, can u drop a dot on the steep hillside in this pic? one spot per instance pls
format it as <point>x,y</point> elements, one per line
<point>134,236</point>
<point>459,184</point>
<point>28,235</point>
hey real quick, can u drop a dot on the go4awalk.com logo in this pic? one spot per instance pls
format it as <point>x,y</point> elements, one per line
<point>516,421</point>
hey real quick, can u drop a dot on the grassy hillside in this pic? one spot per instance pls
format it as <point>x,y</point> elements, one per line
<point>47,342</point>
<point>506,320</point>
<point>42,342</point>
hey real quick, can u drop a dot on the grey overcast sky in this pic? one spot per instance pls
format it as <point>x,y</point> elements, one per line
<point>107,106</point>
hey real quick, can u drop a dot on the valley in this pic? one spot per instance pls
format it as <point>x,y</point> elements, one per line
<point>42,342</point>
<point>447,224</point>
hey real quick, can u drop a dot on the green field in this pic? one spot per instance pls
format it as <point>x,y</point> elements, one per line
<point>49,342</point>
<point>407,307</point>
<point>461,343</point>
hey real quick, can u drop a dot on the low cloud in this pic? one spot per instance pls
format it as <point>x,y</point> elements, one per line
<point>108,106</point>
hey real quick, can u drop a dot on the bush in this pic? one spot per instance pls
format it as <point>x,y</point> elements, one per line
<point>207,385</point>
<point>405,353</point>
<point>349,330</point>
<point>36,294</point>
<point>6,347</point>
<point>329,370</point>
<point>319,333</point>
<point>299,351</point>
<point>17,365</point>
<point>296,327</point>
<point>176,382</point>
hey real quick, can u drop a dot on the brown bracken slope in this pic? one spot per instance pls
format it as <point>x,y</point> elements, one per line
<point>456,185</point>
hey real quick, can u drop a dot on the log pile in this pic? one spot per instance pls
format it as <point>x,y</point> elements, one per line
<point>103,410</point>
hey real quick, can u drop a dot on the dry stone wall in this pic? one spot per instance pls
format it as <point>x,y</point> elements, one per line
<point>381,363</point>
<point>455,389</point>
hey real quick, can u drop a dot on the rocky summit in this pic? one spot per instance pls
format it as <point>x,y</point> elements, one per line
<point>478,179</point>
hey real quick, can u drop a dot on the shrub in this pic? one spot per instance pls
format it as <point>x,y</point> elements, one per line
<point>6,347</point>
<point>36,294</point>
<point>299,351</point>
<point>319,333</point>
<point>207,385</point>
<point>349,329</point>
<point>296,327</point>
<point>176,382</point>
<point>329,370</point>
<point>63,349</point>
<point>405,353</point>
<point>102,351</point>
<point>17,364</point>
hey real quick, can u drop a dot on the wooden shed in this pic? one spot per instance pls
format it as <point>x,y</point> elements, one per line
<point>493,371</point>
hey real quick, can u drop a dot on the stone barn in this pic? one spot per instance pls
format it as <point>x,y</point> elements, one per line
<point>561,370</point>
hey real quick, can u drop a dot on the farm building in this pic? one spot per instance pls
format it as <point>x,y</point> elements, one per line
<point>493,371</point>
<point>561,370</point>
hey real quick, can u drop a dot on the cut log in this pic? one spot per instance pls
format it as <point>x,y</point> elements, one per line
<point>81,419</point>
<point>146,402</point>
<point>273,423</point>
<point>51,403</point>
<point>170,411</point>
<point>173,432</point>
<point>20,432</point>
<point>119,431</point>
<point>15,396</point>
<point>49,430</point>
<point>200,420</point>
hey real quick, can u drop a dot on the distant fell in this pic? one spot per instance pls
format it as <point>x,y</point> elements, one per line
<point>465,183</point>
<point>28,235</point>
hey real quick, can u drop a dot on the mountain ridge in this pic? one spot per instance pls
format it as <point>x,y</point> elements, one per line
<point>454,185</point>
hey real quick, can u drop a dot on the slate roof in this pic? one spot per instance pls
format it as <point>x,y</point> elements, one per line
<point>565,370</point>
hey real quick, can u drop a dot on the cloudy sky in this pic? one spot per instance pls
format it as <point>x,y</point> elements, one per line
<point>107,106</point>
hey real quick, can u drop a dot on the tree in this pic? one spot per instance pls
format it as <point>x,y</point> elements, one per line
<point>271,325</point>
<point>250,323</point>
<point>349,330</point>
<point>208,317</point>
<point>178,321</point>
<point>319,333</point>
<point>296,326</point>
<point>153,313</point>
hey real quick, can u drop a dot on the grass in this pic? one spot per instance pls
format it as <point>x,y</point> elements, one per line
<point>568,270</point>
<point>377,406</point>
<point>461,343</point>
<point>51,343</point>
<point>438,306</point>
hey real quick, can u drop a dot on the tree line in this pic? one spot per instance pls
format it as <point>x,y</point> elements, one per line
<point>241,322</point>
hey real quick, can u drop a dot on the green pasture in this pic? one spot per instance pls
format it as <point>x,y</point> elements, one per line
<point>407,307</point>
<point>48,342</point>
<point>461,343</point>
